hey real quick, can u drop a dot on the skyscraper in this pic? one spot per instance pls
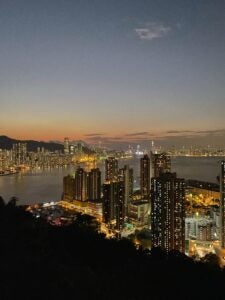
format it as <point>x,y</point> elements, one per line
<point>19,153</point>
<point>120,205</point>
<point>94,184</point>
<point>113,203</point>
<point>109,199</point>
<point>145,176</point>
<point>168,215</point>
<point>126,175</point>
<point>161,163</point>
<point>80,192</point>
<point>66,145</point>
<point>68,187</point>
<point>79,148</point>
<point>111,169</point>
<point>222,204</point>
<point>71,149</point>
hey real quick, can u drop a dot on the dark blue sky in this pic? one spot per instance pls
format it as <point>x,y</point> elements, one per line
<point>129,70</point>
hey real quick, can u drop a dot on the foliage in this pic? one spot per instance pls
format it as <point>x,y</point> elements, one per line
<point>48,262</point>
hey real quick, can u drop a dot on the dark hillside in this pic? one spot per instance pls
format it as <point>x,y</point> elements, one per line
<point>47,262</point>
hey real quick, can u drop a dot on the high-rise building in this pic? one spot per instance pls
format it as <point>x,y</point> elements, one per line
<point>126,175</point>
<point>79,148</point>
<point>94,184</point>
<point>113,203</point>
<point>168,214</point>
<point>200,228</point>
<point>161,163</point>
<point>71,149</point>
<point>222,204</point>
<point>66,145</point>
<point>111,169</point>
<point>80,192</point>
<point>4,160</point>
<point>145,176</point>
<point>19,153</point>
<point>68,187</point>
<point>139,212</point>
<point>109,199</point>
<point>120,205</point>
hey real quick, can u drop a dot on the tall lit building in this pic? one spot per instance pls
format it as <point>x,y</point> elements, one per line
<point>66,145</point>
<point>4,160</point>
<point>79,148</point>
<point>94,184</point>
<point>68,187</point>
<point>111,169</point>
<point>19,153</point>
<point>120,206</point>
<point>71,149</point>
<point>145,176</point>
<point>126,175</point>
<point>109,199</point>
<point>139,212</point>
<point>113,203</point>
<point>168,213</point>
<point>80,192</point>
<point>222,204</point>
<point>161,163</point>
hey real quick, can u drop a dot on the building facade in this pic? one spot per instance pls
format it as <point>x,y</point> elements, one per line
<point>161,163</point>
<point>126,175</point>
<point>94,184</point>
<point>80,185</point>
<point>68,187</point>
<point>222,204</point>
<point>145,176</point>
<point>167,213</point>
<point>113,204</point>
<point>66,145</point>
<point>111,169</point>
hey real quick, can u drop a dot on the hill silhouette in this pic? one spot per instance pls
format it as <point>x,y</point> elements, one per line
<point>48,262</point>
<point>7,143</point>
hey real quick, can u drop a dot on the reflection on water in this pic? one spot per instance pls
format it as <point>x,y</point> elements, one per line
<point>34,186</point>
<point>47,185</point>
<point>201,168</point>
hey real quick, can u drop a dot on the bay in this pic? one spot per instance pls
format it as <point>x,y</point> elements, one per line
<point>47,185</point>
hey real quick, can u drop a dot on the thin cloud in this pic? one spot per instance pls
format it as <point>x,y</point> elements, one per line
<point>211,132</point>
<point>94,134</point>
<point>104,138</point>
<point>96,138</point>
<point>172,137</point>
<point>179,131</point>
<point>137,133</point>
<point>151,31</point>
<point>116,138</point>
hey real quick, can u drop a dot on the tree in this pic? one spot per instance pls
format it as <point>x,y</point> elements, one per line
<point>86,221</point>
<point>212,260</point>
<point>12,202</point>
<point>158,253</point>
<point>2,203</point>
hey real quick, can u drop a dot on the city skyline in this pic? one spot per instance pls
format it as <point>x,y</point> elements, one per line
<point>116,73</point>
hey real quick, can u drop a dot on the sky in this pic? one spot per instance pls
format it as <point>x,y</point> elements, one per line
<point>113,71</point>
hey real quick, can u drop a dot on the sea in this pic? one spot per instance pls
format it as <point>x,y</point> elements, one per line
<point>39,186</point>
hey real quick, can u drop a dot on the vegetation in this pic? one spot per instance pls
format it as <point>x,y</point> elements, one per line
<point>49,262</point>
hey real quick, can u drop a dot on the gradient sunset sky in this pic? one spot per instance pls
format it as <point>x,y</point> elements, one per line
<point>113,71</point>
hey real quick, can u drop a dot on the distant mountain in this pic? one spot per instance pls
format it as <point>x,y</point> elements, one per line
<point>7,143</point>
